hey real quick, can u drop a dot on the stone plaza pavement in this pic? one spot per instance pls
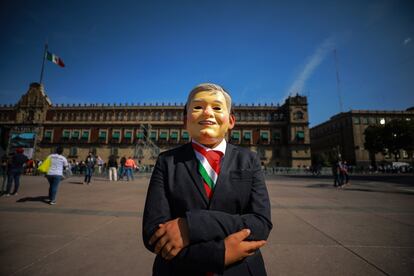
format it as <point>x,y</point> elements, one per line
<point>365,229</point>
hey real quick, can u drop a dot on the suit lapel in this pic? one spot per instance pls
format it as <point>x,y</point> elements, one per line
<point>191,164</point>
<point>224,173</point>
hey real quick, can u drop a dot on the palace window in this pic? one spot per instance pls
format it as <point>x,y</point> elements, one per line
<point>174,135</point>
<point>264,136</point>
<point>276,136</point>
<point>185,135</point>
<point>298,115</point>
<point>164,135</point>
<point>85,135</point>
<point>356,121</point>
<point>300,135</point>
<point>235,136</point>
<point>128,135</point>
<point>75,134</point>
<point>66,134</point>
<point>247,136</point>
<point>116,135</point>
<point>102,134</point>
<point>48,135</point>
<point>364,120</point>
<point>153,135</point>
<point>140,135</point>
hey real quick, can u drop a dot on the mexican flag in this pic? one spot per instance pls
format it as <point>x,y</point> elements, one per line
<point>55,59</point>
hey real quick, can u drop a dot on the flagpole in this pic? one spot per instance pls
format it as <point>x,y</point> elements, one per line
<point>43,64</point>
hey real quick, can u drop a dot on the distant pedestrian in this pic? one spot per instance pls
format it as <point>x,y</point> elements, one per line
<point>100,163</point>
<point>58,163</point>
<point>122,167</point>
<point>129,168</point>
<point>336,173</point>
<point>90,163</point>
<point>15,169</point>
<point>112,168</point>
<point>4,174</point>
<point>345,173</point>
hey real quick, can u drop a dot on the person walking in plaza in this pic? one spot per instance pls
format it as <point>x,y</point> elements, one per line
<point>4,162</point>
<point>90,163</point>
<point>15,169</point>
<point>129,168</point>
<point>112,168</point>
<point>336,173</point>
<point>122,168</point>
<point>207,210</point>
<point>345,172</point>
<point>100,164</point>
<point>58,163</point>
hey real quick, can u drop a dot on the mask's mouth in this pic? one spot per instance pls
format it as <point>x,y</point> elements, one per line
<point>206,123</point>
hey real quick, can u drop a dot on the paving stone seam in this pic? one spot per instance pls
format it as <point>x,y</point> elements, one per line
<point>339,243</point>
<point>71,211</point>
<point>374,211</point>
<point>63,246</point>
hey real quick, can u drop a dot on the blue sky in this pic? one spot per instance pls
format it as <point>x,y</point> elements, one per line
<point>156,51</point>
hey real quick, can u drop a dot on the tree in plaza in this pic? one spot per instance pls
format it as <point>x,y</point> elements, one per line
<point>374,142</point>
<point>398,135</point>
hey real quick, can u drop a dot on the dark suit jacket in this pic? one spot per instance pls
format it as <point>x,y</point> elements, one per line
<point>240,200</point>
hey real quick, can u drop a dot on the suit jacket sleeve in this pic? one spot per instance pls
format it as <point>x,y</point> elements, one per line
<point>205,225</point>
<point>157,208</point>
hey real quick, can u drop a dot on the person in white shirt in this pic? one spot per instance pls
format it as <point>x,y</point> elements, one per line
<point>55,173</point>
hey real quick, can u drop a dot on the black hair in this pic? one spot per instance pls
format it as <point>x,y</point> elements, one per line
<point>59,149</point>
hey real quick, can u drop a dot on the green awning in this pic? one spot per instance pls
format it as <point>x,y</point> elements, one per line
<point>85,135</point>
<point>247,135</point>
<point>264,135</point>
<point>115,135</point>
<point>128,135</point>
<point>66,134</point>
<point>75,134</point>
<point>140,135</point>
<point>300,135</point>
<point>102,135</point>
<point>163,135</point>
<point>48,134</point>
<point>235,135</point>
<point>174,135</point>
<point>153,135</point>
<point>185,135</point>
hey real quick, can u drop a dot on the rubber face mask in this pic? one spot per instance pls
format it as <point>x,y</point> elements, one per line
<point>208,118</point>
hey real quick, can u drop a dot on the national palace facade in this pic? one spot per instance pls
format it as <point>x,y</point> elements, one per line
<point>279,134</point>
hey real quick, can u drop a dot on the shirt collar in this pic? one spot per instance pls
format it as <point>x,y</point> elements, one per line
<point>220,147</point>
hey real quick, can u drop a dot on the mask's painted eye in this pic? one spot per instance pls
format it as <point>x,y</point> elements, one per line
<point>197,107</point>
<point>217,108</point>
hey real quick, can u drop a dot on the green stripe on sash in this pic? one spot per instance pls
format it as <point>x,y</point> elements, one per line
<point>205,175</point>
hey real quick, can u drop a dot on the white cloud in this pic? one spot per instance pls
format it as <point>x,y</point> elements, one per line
<point>312,64</point>
<point>407,40</point>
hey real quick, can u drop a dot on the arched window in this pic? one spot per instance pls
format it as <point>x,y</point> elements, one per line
<point>298,115</point>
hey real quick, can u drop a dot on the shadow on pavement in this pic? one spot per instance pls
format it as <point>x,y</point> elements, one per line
<point>34,199</point>
<point>358,189</point>
<point>401,179</point>
<point>74,182</point>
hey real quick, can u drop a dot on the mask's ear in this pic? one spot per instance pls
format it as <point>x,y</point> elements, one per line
<point>232,121</point>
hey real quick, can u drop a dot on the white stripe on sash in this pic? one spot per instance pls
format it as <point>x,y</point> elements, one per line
<point>212,173</point>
